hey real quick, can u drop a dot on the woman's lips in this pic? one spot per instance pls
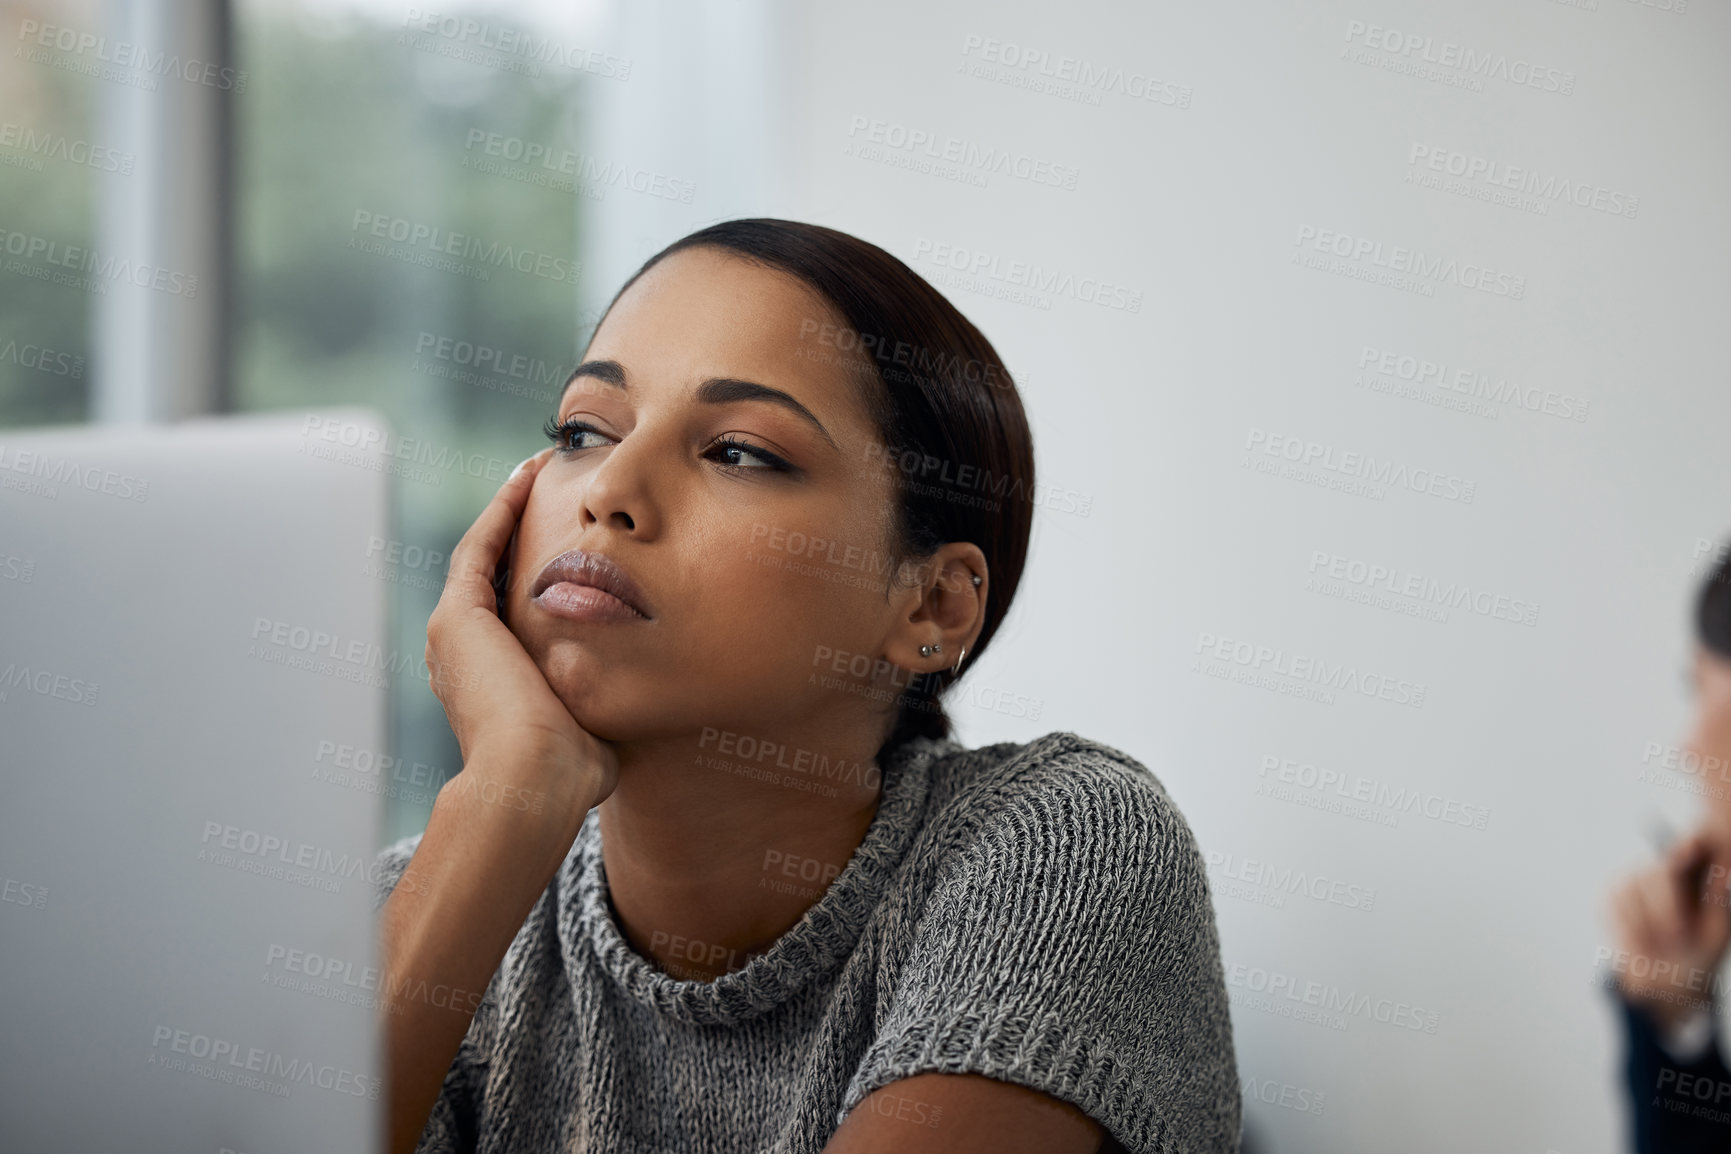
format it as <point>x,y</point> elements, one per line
<point>589,586</point>
<point>585,603</point>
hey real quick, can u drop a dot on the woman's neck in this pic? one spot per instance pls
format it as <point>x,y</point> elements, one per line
<point>715,847</point>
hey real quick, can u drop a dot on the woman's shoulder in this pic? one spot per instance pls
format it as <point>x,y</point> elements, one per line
<point>1063,938</point>
<point>1068,813</point>
<point>1061,781</point>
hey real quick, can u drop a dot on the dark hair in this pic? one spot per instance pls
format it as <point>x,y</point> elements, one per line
<point>941,399</point>
<point>1713,609</point>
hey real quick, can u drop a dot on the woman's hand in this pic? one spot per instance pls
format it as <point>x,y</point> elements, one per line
<point>497,700</point>
<point>499,829</point>
<point>1676,934</point>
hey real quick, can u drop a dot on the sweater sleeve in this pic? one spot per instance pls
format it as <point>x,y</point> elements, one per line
<point>453,1126</point>
<point>1070,946</point>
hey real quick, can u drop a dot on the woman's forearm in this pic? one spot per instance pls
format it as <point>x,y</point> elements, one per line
<point>479,869</point>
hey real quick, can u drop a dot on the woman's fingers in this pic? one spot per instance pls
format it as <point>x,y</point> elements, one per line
<point>1688,851</point>
<point>1667,900</point>
<point>1647,904</point>
<point>1627,918</point>
<point>455,655</point>
<point>476,556</point>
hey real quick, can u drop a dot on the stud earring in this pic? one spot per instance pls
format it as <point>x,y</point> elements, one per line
<point>928,650</point>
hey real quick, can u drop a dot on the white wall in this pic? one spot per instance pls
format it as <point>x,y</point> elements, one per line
<point>1197,211</point>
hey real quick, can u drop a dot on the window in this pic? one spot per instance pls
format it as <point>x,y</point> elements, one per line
<point>54,164</point>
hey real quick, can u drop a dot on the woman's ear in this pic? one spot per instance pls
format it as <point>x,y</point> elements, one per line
<point>946,609</point>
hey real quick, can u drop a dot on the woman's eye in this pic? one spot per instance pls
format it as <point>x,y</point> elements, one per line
<point>732,451</point>
<point>561,434</point>
<point>732,455</point>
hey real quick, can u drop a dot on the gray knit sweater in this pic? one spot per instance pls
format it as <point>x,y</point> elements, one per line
<point>1037,913</point>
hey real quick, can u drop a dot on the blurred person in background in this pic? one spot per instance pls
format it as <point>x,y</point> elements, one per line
<point>1673,926</point>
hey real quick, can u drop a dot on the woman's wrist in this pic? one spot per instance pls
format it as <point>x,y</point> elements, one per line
<point>524,794</point>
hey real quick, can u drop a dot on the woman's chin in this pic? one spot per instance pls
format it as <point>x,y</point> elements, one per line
<point>580,696</point>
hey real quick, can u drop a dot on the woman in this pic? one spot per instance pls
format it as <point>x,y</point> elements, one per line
<point>714,876</point>
<point>1673,924</point>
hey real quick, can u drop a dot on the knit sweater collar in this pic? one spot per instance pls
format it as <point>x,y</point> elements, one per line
<point>815,946</point>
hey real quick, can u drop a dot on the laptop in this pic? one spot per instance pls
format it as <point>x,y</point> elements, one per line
<point>194,672</point>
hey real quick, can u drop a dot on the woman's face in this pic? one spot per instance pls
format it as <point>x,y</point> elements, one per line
<point>741,631</point>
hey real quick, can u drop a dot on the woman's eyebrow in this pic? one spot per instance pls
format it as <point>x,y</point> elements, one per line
<point>714,391</point>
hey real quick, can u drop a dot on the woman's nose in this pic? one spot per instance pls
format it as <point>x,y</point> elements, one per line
<point>620,490</point>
